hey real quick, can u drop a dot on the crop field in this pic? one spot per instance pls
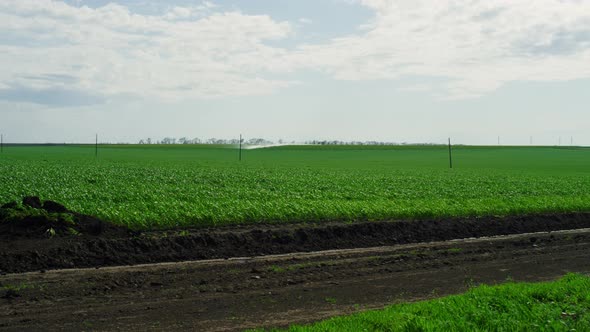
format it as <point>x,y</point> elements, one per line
<point>324,259</point>
<point>190,185</point>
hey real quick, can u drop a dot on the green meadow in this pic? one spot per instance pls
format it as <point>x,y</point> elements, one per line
<point>197,185</point>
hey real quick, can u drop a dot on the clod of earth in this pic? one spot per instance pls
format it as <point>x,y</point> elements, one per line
<point>36,219</point>
<point>32,201</point>
<point>51,206</point>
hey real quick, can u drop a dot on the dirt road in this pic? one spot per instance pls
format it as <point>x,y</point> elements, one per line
<point>267,291</point>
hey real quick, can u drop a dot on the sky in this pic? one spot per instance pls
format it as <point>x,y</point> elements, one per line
<point>398,71</point>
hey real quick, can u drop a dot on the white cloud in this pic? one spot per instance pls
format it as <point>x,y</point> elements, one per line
<point>470,47</point>
<point>109,50</point>
<point>477,45</point>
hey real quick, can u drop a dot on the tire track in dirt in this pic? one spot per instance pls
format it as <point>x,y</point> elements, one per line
<point>238,293</point>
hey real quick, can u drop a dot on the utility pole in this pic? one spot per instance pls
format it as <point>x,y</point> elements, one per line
<point>450,155</point>
<point>1,143</point>
<point>498,140</point>
<point>531,140</point>
<point>240,153</point>
<point>96,147</point>
<point>559,142</point>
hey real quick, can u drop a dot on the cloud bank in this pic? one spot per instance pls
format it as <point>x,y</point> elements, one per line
<point>475,46</point>
<point>469,48</point>
<point>184,53</point>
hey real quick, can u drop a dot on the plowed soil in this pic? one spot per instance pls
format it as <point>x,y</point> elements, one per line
<point>114,246</point>
<point>265,276</point>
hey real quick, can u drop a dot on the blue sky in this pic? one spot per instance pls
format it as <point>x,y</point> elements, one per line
<point>400,71</point>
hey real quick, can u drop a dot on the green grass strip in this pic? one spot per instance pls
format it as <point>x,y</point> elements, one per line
<point>562,305</point>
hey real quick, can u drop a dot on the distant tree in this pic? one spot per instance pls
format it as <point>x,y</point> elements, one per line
<point>259,141</point>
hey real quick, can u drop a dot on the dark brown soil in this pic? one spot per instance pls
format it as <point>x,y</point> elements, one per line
<point>296,273</point>
<point>26,246</point>
<point>234,294</point>
<point>37,220</point>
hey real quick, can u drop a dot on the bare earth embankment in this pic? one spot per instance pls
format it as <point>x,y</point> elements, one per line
<point>268,275</point>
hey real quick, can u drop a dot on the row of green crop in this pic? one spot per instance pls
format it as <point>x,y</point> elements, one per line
<point>161,187</point>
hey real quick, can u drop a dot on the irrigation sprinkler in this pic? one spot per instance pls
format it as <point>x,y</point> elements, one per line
<point>450,155</point>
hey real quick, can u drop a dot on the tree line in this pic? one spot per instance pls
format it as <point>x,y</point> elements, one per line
<point>262,141</point>
<point>185,140</point>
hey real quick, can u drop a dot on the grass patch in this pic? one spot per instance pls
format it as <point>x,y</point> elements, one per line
<point>331,300</point>
<point>17,288</point>
<point>277,269</point>
<point>12,291</point>
<point>562,305</point>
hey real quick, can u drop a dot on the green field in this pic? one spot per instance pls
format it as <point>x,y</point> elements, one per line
<point>563,305</point>
<point>168,186</point>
